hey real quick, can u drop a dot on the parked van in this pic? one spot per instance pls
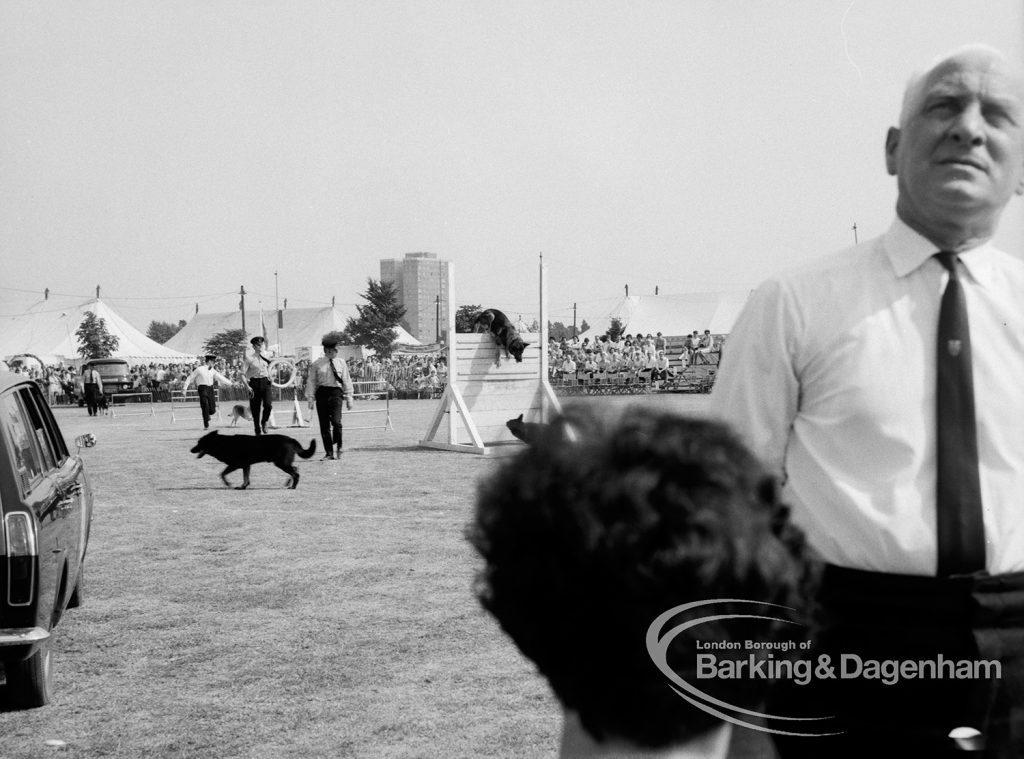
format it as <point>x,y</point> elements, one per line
<point>114,373</point>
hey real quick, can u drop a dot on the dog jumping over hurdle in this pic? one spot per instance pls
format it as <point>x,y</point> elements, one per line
<point>504,333</point>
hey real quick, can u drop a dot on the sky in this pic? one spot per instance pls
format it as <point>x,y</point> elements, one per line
<point>173,152</point>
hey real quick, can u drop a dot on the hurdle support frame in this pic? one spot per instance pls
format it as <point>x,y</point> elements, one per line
<point>371,389</point>
<point>185,399</point>
<point>114,405</point>
<point>481,397</point>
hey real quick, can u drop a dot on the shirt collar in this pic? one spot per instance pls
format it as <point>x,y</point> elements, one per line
<point>907,251</point>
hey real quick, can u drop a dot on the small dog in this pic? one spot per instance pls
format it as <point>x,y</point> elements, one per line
<point>242,451</point>
<point>525,431</point>
<point>504,333</point>
<point>239,411</point>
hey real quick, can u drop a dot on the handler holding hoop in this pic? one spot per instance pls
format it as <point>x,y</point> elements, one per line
<point>328,385</point>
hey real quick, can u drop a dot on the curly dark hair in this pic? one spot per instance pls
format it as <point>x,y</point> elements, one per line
<point>601,525</point>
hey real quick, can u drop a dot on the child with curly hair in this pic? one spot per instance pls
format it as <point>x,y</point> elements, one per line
<point>599,527</point>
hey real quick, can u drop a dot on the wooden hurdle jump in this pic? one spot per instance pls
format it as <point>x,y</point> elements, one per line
<point>481,397</point>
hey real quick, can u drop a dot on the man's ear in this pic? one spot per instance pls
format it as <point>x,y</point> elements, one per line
<point>892,141</point>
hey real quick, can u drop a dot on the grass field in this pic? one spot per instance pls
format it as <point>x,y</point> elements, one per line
<point>333,620</point>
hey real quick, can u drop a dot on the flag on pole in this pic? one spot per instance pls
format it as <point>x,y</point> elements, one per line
<point>263,324</point>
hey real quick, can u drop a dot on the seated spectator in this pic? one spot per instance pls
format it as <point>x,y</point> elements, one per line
<point>588,537</point>
<point>638,366</point>
<point>601,359</point>
<point>568,370</point>
<point>705,347</point>
<point>662,369</point>
<point>589,368</point>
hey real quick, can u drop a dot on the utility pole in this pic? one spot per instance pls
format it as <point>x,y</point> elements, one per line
<point>437,318</point>
<point>241,307</point>
<point>574,320</point>
<point>277,310</point>
<point>854,233</point>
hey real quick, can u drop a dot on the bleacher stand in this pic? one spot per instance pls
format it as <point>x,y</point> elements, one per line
<point>634,365</point>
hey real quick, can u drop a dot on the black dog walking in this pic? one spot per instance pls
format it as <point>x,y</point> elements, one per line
<point>242,451</point>
<point>260,403</point>
<point>329,385</point>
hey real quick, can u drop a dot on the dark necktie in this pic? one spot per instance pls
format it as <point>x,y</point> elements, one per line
<point>961,530</point>
<point>337,376</point>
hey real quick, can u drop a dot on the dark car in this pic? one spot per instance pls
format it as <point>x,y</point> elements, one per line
<point>45,514</point>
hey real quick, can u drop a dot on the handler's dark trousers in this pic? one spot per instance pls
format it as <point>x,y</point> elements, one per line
<point>92,397</point>
<point>906,706</point>
<point>329,401</point>
<point>260,399</point>
<point>206,403</point>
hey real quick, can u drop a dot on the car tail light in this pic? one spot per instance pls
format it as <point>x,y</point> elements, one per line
<point>20,537</point>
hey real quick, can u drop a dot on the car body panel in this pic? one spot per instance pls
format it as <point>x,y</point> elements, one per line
<point>40,478</point>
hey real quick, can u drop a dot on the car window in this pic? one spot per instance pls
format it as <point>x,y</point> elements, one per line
<point>32,401</point>
<point>60,446</point>
<point>21,443</point>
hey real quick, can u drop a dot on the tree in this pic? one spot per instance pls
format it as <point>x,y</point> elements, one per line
<point>583,327</point>
<point>94,341</point>
<point>161,332</point>
<point>558,332</point>
<point>375,326</point>
<point>464,317</point>
<point>229,345</point>
<point>614,329</point>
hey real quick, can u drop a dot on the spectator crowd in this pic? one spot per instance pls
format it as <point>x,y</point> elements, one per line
<point>423,375</point>
<point>629,359</point>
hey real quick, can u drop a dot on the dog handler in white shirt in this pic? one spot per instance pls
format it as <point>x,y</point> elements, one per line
<point>832,376</point>
<point>329,385</point>
<point>204,376</point>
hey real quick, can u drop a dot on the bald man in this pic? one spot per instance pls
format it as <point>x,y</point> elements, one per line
<point>883,385</point>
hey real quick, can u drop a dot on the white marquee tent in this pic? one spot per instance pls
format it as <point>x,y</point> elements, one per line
<point>299,328</point>
<point>674,315</point>
<point>47,330</point>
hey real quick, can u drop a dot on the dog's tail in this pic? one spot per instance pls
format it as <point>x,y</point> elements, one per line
<point>309,451</point>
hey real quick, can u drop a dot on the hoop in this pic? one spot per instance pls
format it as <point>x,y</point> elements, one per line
<point>282,367</point>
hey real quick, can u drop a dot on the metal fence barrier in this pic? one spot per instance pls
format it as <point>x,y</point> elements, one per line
<point>114,405</point>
